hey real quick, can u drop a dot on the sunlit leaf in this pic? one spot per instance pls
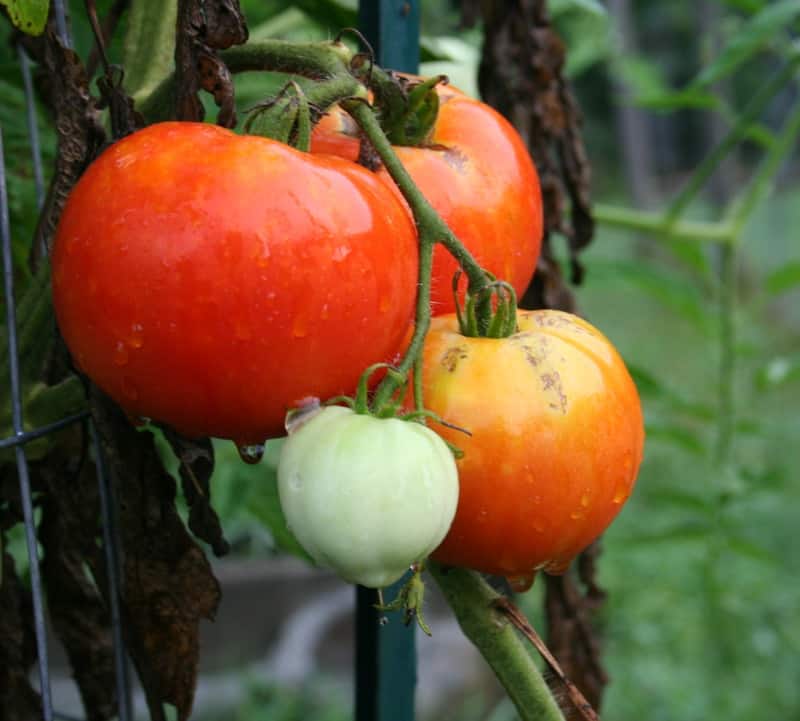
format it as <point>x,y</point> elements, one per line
<point>30,16</point>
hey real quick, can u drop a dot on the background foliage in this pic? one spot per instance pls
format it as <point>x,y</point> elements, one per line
<point>701,620</point>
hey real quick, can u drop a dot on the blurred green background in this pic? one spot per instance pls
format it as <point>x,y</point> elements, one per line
<point>702,566</point>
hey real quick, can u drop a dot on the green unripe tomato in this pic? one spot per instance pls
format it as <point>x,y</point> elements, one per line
<point>367,496</point>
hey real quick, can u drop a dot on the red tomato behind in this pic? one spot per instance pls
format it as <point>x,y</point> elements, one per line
<point>478,175</point>
<point>208,280</point>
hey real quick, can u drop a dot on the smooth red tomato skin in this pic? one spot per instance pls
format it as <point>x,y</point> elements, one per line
<point>557,440</point>
<point>208,280</point>
<point>477,173</point>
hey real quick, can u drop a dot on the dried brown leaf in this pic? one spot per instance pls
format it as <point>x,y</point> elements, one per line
<point>168,586</point>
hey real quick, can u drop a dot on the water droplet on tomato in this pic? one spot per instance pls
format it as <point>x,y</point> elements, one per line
<point>585,500</point>
<point>521,582</point>
<point>136,337</point>
<point>621,494</point>
<point>295,482</point>
<point>538,527</point>
<point>341,253</point>
<point>250,453</point>
<point>120,354</point>
<point>384,304</point>
<point>324,313</point>
<point>128,389</point>
<point>576,515</point>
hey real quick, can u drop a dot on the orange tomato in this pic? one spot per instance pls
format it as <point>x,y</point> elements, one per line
<point>557,439</point>
<point>477,173</point>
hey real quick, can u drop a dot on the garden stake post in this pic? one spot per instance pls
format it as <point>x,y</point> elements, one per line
<point>386,663</point>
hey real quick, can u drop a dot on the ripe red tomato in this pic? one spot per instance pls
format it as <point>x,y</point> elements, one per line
<point>209,280</point>
<point>557,439</point>
<point>477,173</point>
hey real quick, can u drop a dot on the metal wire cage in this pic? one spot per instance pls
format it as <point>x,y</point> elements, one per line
<point>385,672</point>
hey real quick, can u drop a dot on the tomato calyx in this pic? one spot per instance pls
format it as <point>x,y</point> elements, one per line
<point>286,117</point>
<point>409,599</point>
<point>490,312</point>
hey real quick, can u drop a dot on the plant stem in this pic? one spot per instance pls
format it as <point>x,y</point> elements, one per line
<point>430,224</point>
<point>431,229</point>
<point>324,61</point>
<point>727,354</point>
<point>471,599</point>
<point>422,322</point>
<point>650,222</point>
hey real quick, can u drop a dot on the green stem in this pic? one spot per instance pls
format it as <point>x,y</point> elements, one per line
<point>422,322</point>
<point>471,599</point>
<point>317,61</point>
<point>737,133</point>
<point>429,223</point>
<point>642,221</point>
<point>727,354</point>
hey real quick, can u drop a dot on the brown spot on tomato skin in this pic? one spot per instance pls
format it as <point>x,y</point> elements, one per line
<point>455,159</point>
<point>552,382</point>
<point>452,356</point>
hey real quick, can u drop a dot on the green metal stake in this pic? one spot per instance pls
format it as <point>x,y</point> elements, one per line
<point>386,661</point>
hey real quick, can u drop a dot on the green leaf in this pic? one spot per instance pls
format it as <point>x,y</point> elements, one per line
<point>30,16</point>
<point>264,504</point>
<point>676,435</point>
<point>149,45</point>
<point>682,499</point>
<point>648,87</point>
<point>676,293</point>
<point>749,549</point>
<point>686,532</point>
<point>784,278</point>
<point>753,35</point>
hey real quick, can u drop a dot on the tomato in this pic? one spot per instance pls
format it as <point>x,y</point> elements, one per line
<point>209,280</point>
<point>557,439</point>
<point>367,496</point>
<point>477,173</point>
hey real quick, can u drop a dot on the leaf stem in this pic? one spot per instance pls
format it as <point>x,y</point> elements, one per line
<point>472,601</point>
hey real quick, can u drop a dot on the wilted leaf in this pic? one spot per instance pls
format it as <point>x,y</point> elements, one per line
<point>167,579</point>
<point>18,700</point>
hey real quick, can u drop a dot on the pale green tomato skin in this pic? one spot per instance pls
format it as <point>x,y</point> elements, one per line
<point>367,496</point>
